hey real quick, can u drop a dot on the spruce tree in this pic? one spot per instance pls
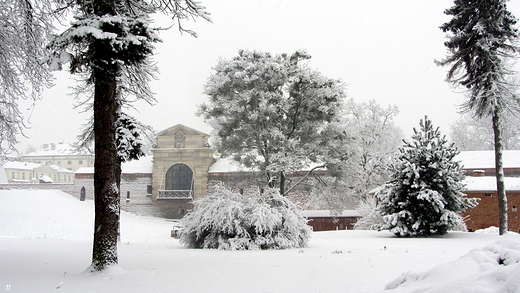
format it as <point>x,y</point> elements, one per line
<point>482,41</point>
<point>425,195</point>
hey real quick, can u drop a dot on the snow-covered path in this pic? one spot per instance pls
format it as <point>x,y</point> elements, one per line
<point>45,246</point>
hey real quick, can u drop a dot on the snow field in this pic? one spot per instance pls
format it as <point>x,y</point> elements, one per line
<point>45,246</point>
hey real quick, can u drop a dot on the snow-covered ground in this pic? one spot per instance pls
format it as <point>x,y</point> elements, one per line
<point>45,246</point>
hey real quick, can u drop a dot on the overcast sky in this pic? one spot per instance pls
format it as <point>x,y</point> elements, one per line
<point>382,50</point>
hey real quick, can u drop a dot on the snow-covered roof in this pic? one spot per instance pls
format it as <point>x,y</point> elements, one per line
<point>227,165</point>
<point>59,149</point>
<point>142,166</point>
<point>27,166</point>
<point>489,183</point>
<point>486,159</point>
<point>327,214</point>
<point>21,165</point>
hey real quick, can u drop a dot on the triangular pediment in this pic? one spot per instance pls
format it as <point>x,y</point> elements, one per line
<point>181,137</point>
<point>188,131</point>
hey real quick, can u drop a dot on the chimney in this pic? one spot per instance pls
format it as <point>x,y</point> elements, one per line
<point>479,173</point>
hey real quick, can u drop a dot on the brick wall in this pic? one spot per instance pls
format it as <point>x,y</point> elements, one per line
<point>485,214</point>
<point>331,223</point>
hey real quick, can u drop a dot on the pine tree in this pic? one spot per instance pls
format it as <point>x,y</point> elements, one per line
<point>108,40</point>
<point>481,39</point>
<point>425,196</point>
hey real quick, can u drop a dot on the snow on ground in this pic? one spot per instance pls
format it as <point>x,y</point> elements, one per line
<point>45,246</point>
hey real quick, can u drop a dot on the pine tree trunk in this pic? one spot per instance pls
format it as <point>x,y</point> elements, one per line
<point>501,192</point>
<point>106,168</point>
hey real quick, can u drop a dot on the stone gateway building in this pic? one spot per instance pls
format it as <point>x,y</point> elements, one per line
<point>181,160</point>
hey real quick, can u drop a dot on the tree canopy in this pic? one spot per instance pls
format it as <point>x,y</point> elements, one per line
<point>24,27</point>
<point>272,112</point>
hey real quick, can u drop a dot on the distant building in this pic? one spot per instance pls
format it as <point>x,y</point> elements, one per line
<point>485,214</point>
<point>484,161</point>
<point>66,156</point>
<point>25,172</point>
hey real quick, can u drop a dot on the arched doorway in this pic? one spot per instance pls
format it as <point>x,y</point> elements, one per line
<point>178,182</point>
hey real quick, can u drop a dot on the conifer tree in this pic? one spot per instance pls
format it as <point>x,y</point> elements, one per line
<point>481,38</point>
<point>425,196</point>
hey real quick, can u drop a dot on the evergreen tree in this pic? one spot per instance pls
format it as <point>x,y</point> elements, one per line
<point>481,37</point>
<point>108,41</point>
<point>425,196</point>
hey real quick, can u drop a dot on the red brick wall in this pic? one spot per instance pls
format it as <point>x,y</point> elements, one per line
<point>330,223</point>
<point>485,214</point>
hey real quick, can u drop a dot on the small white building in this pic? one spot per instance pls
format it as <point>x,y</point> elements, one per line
<point>26,172</point>
<point>64,155</point>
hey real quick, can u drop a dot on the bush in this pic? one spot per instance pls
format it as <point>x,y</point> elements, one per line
<point>232,221</point>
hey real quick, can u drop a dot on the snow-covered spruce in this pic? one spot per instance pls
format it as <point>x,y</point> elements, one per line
<point>232,221</point>
<point>425,196</point>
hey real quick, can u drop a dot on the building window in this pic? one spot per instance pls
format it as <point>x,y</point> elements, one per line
<point>23,175</point>
<point>148,190</point>
<point>80,162</point>
<point>12,175</point>
<point>487,194</point>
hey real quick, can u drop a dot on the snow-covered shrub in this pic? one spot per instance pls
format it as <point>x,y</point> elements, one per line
<point>425,195</point>
<point>228,220</point>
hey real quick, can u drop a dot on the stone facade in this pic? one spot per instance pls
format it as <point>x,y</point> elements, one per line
<point>187,150</point>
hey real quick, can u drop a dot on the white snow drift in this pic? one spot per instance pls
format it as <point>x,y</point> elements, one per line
<point>45,246</point>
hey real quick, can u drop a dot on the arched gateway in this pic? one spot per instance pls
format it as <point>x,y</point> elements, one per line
<point>178,182</point>
<point>181,159</point>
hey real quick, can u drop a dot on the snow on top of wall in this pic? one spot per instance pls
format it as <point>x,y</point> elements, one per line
<point>486,159</point>
<point>227,165</point>
<point>327,213</point>
<point>142,166</point>
<point>489,183</point>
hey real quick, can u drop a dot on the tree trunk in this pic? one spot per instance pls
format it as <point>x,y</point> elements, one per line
<point>282,183</point>
<point>106,168</point>
<point>501,192</point>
